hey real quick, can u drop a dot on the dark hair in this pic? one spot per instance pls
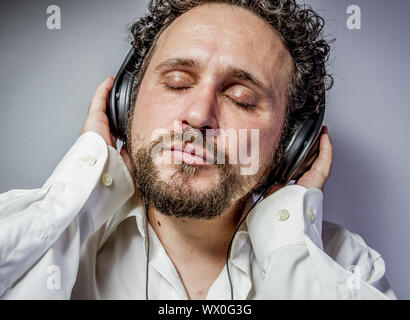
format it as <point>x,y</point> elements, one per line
<point>300,28</point>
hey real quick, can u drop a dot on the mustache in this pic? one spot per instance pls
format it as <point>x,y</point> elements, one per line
<point>194,138</point>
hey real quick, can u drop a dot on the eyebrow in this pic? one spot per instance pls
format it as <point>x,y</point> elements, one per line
<point>177,62</point>
<point>194,64</point>
<point>246,76</point>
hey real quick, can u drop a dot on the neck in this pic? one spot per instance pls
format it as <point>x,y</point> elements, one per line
<point>184,238</point>
<point>197,246</point>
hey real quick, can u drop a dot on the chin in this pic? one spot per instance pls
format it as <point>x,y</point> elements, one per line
<point>197,177</point>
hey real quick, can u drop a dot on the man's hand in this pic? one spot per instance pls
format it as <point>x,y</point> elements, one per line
<point>320,170</point>
<point>97,119</point>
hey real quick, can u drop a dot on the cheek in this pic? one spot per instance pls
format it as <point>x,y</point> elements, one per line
<point>271,136</point>
<point>268,144</point>
<point>149,115</point>
<point>263,144</point>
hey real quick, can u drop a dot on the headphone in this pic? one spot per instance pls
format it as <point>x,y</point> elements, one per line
<point>299,154</point>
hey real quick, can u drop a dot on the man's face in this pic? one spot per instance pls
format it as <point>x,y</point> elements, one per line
<point>215,67</point>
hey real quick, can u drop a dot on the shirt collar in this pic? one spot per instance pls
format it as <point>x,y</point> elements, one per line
<point>134,207</point>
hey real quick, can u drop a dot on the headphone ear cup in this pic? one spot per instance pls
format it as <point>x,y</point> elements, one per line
<point>301,150</point>
<point>125,106</point>
<point>289,155</point>
<point>120,96</point>
<point>112,110</point>
<point>120,103</point>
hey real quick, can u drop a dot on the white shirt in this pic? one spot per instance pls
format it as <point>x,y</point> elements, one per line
<point>82,236</point>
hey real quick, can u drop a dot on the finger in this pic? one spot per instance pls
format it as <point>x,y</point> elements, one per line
<point>99,101</point>
<point>323,162</point>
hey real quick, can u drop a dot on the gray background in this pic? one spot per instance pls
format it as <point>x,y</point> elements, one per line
<point>49,76</point>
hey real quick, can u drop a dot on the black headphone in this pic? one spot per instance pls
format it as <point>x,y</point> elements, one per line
<point>299,153</point>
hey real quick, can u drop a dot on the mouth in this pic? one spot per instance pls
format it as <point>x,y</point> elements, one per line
<point>189,154</point>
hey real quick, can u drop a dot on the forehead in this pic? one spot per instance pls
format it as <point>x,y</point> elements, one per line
<point>220,34</point>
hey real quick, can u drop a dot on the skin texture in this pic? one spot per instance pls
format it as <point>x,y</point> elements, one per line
<point>217,39</point>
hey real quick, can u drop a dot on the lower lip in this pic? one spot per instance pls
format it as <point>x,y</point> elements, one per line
<point>188,158</point>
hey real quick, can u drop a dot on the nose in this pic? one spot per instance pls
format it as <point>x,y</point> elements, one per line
<point>201,108</point>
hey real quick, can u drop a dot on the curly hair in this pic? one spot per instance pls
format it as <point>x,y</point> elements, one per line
<point>300,28</point>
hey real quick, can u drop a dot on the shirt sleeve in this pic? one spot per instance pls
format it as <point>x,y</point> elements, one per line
<point>42,231</point>
<point>294,254</point>
<point>353,254</point>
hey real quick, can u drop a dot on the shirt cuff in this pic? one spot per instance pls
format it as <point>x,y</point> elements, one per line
<point>283,218</point>
<point>92,163</point>
<point>83,163</point>
<point>114,188</point>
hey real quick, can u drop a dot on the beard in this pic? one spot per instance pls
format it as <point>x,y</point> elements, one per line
<point>176,196</point>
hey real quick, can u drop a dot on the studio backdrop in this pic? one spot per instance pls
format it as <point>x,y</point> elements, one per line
<point>55,53</point>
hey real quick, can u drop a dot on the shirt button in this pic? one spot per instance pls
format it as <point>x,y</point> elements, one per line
<point>106,179</point>
<point>282,215</point>
<point>310,214</point>
<point>89,160</point>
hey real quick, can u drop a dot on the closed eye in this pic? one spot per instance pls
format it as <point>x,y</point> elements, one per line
<point>188,85</point>
<point>176,88</point>
<point>246,106</point>
<point>241,96</point>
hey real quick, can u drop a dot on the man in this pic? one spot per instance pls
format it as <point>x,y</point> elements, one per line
<point>88,233</point>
